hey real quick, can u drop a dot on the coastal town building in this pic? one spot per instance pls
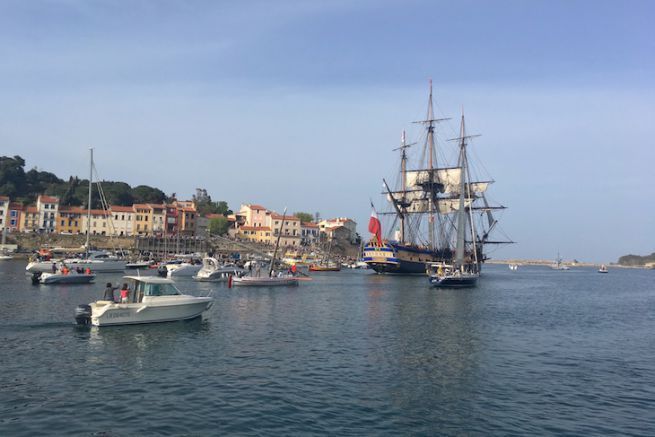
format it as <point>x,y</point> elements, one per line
<point>47,207</point>
<point>4,212</point>
<point>142,219</point>
<point>258,234</point>
<point>14,216</point>
<point>330,228</point>
<point>309,233</point>
<point>29,219</point>
<point>70,220</point>
<point>99,222</point>
<point>254,215</point>
<point>289,226</point>
<point>158,214</point>
<point>122,220</point>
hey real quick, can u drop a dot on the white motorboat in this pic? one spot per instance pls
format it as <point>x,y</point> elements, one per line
<point>63,278</point>
<point>213,270</point>
<point>5,257</point>
<point>151,300</point>
<point>97,261</point>
<point>603,269</point>
<point>265,281</point>
<point>183,269</point>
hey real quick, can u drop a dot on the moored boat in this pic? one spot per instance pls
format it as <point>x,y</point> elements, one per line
<point>603,269</point>
<point>443,275</point>
<point>213,270</point>
<point>63,278</point>
<point>151,300</point>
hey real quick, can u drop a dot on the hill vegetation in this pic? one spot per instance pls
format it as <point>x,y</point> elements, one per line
<point>24,187</point>
<point>636,260</point>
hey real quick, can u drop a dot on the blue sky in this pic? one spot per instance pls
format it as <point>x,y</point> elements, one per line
<point>299,103</point>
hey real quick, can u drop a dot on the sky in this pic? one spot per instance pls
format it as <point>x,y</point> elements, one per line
<point>300,103</point>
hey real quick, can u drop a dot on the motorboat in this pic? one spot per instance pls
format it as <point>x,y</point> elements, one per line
<point>97,261</point>
<point>328,267</point>
<point>151,300</point>
<point>444,275</point>
<point>139,265</point>
<point>264,281</point>
<point>603,269</point>
<point>187,269</point>
<point>213,270</point>
<point>4,257</point>
<point>513,267</point>
<point>60,277</point>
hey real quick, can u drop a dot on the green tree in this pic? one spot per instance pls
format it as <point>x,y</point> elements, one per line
<point>218,226</point>
<point>304,217</point>
<point>221,207</point>
<point>12,176</point>
<point>146,194</point>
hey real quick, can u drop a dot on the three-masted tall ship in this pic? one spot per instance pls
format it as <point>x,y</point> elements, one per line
<point>440,214</point>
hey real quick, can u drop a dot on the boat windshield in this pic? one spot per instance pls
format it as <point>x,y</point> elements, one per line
<point>146,289</point>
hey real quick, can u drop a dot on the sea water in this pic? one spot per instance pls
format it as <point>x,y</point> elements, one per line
<point>528,352</point>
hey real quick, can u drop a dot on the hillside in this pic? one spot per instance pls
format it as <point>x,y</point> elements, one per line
<point>636,260</point>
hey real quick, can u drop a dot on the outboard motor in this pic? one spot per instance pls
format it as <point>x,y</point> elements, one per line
<point>36,278</point>
<point>83,315</point>
<point>162,271</point>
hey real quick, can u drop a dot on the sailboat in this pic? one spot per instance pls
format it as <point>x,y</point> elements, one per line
<point>559,265</point>
<point>97,261</point>
<point>440,211</point>
<point>255,278</point>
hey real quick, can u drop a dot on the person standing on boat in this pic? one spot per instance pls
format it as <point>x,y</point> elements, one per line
<point>109,293</point>
<point>54,267</point>
<point>125,293</point>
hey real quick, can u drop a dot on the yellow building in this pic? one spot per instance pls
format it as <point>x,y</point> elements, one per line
<point>29,219</point>
<point>258,234</point>
<point>99,222</point>
<point>70,220</point>
<point>142,219</point>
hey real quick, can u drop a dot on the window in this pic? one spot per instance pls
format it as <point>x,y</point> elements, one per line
<point>13,214</point>
<point>123,217</point>
<point>62,222</point>
<point>12,222</point>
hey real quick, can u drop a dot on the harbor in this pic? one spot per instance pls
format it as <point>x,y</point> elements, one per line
<point>352,352</point>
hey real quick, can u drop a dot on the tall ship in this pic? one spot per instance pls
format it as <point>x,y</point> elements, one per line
<point>439,212</point>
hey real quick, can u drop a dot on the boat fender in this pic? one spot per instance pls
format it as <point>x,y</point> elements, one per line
<point>229,281</point>
<point>83,315</point>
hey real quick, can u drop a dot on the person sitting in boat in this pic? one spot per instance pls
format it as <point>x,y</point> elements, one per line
<point>109,292</point>
<point>87,271</point>
<point>125,293</point>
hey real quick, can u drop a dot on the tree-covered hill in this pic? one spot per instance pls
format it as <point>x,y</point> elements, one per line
<point>636,260</point>
<point>24,187</point>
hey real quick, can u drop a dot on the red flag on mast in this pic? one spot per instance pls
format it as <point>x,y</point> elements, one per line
<point>375,228</point>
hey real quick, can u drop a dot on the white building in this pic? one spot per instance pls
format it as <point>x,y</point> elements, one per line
<point>47,208</point>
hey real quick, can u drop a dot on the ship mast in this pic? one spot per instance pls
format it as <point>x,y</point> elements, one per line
<point>430,122</point>
<point>403,185</point>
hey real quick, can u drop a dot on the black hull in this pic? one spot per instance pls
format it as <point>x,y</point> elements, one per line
<point>454,282</point>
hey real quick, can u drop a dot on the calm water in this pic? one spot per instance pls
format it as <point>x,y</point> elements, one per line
<point>351,353</point>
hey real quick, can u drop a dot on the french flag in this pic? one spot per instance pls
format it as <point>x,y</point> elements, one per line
<point>375,228</point>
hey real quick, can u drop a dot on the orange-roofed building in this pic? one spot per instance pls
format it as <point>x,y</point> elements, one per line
<point>48,208</point>
<point>142,219</point>
<point>29,219</point>
<point>254,215</point>
<point>99,222</point>
<point>122,220</point>
<point>327,227</point>
<point>309,233</point>
<point>14,213</point>
<point>289,225</point>
<point>71,220</point>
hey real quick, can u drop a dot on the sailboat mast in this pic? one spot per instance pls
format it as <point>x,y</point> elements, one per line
<point>277,242</point>
<point>431,206</point>
<point>461,213</point>
<point>403,184</point>
<point>88,207</point>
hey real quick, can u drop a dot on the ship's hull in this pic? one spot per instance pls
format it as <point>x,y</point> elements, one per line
<point>454,281</point>
<point>393,258</point>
